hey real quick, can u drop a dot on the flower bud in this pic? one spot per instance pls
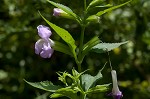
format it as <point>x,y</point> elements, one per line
<point>59,12</point>
<point>116,93</point>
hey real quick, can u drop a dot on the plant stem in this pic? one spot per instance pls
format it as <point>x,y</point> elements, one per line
<point>83,25</point>
<point>81,47</point>
<point>83,96</point>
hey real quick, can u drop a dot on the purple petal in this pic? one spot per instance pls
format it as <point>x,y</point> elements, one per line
<point>116,93</point>
<point>44,32</point>
<point>57,12</point>
<point>47,51</point>
<point>118,96</point>
<point>43,48</point>
<point>38,46</point>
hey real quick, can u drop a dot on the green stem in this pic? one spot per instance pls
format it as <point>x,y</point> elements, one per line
<point>79,67</point>
<point>81,48</point>
<point>83,25</point>
<point>83,96</point>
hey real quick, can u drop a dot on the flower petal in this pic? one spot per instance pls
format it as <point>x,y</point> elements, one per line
<point>44,31</point>
<point>43,48</point>
<point>38,46</point>
<point>116,93</point>
<point>47,51</point>
<point>57,12</point>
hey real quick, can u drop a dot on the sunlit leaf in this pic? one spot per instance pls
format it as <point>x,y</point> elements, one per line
<point>44,85</point>
<point>88,80</point>
<point>64,34</point>
<point>62,48</point>
<point>112,8</point>
<point>87,47</point>
<point>104,47</point>
<point>68,92</point>
<point>98,89</point>
<point>64,8</point>
<point>94,3</point>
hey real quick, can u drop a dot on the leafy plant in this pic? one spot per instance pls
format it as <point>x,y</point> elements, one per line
<point>82,84</point>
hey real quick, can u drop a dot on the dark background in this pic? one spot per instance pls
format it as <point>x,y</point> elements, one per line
<point>18,34</point>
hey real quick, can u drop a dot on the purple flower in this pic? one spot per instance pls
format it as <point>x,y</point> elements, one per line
<point>43,48</point>
<point>116,93</point>
<point>43,45</point>
<point>44,32</point>
<point>58,12</point>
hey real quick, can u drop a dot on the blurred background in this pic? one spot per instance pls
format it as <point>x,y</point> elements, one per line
<point>18,34</point>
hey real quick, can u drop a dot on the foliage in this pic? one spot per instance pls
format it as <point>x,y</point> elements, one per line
<point>18,23</point>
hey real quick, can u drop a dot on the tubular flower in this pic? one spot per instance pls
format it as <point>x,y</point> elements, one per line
<point>43,45</point>
<point>59,12</point>
<point>116,93</point>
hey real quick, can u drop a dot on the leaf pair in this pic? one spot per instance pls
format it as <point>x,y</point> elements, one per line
<point>86,87</point>
<point>95,3</point>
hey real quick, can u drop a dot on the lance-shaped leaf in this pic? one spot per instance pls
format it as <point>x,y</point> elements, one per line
<point>94,3</point>
<point>88,81</point>
<point>104,6</point>
<point>58,46</point>
<point>98,89</point>
<point>44,85</point>
<point>64,34</point>
<point>68,92</point>
<point>87,47</point>
<point>65,8</point>
<point>112,8</point>
<point>104,47</point>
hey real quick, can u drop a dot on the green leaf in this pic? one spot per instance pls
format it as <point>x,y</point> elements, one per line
<point>56,95</point>
<point>104,47</point>
<point>88,81</point>
<point>65,8</point>
<point>94,3</point>
<point>44,85</point>
<point>103,6</point>
<point>88,46</point>
<point>77,74</point>
<point>62,77</point>
<point>112,8</point>
<point>68,92</point>
<point>98,89</point>
<point>64,34</point>
<point>58,46</point>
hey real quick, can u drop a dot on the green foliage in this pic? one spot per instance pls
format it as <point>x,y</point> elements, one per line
<point>89,45</point>
<point>44,85</point>
<point>104,47</point>
<point>70,91</point>
<point>66,9</point>
<point>62,48</point>
<point>88,80</point>
<point>65,35</point>
<point>111,8</point>
<point>98,89</point>
<point>18,22</point>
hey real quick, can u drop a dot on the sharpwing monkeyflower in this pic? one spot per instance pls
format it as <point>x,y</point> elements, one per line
<point>43,45</point>
<point>59,12</point>
<point>116,93</point>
